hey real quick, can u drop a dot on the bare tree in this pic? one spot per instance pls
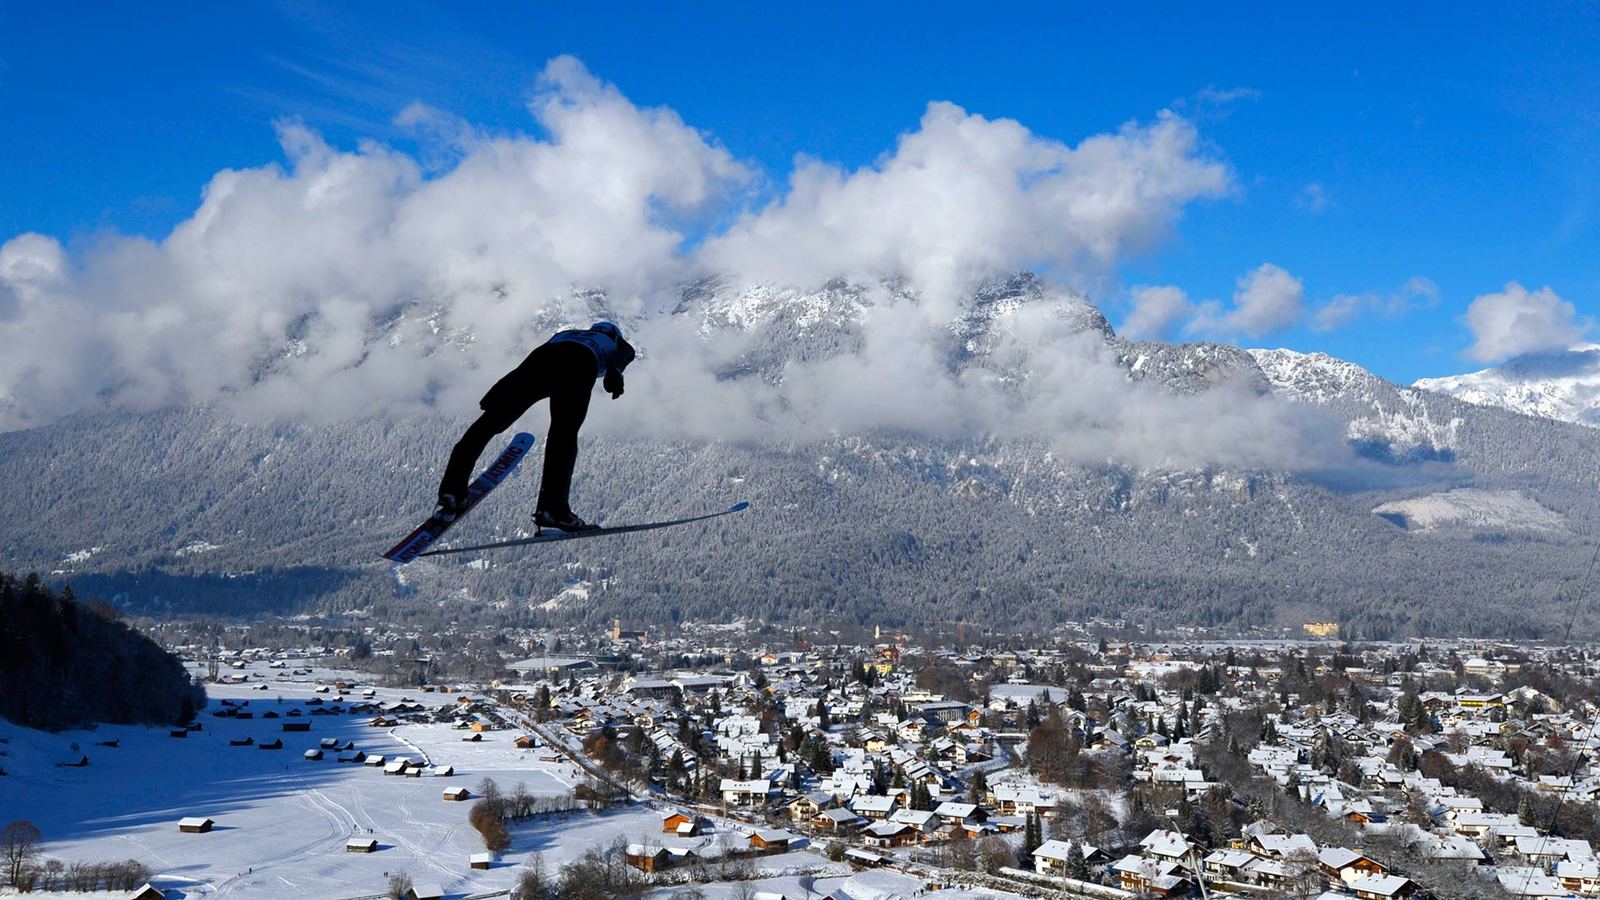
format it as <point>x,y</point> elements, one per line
<point>399,886</point>
<point>19,844</point>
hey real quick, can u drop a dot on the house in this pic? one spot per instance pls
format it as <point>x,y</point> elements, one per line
<point>480,860</point>
<point>146,891</point>
<point>1052,858</point>
<point>361,845</point>
<point>1383,887</point>
<point>1579,877</point>
<point>675,821</point>
<point>1228,865</point>
<point>837,819</point>
<point>923,820</point>
<point>875,806</point>
<point>809,806</point>
<point>195,825</point>
<point>1155,878</point>
<point>1279,846</point>
<point>646,857</point>
<point>770,840</point>
<point>1169,846</point>
<point>953,813</point>
<point>313,754</point>
<point>525,742</point>
<point>745,793</point>
<point>297,726</point>
<point>425,892</point>
<point>1347,865</point>
<point>889,834</point>
<point>457,793</point>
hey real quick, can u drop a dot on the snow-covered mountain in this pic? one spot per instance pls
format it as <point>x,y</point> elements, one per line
<point>187,509</point>
<point>1562,385</point>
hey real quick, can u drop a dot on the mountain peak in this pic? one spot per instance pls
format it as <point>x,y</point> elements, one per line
<point>1558,384</point>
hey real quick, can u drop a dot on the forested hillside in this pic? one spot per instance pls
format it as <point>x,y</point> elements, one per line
<point>190,510</point>
<point>66,664</point>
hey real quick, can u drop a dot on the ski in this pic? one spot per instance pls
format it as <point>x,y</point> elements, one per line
<point>550,537</point>
<point>428,532</point>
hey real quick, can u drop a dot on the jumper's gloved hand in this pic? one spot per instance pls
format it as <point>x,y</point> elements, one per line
<point>613,383</point>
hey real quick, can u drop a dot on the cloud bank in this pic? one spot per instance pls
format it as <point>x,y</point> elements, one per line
<point>352,282</point>
<point>1516,321</point>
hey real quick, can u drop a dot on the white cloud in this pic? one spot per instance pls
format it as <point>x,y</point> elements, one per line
<point>963,196</point>
<point>1313,198</point>
<point>1156,310</point>
<point>348,282</point>
<point>1515,321</point>
<point>1416,293</point>
<point>1268,299</point>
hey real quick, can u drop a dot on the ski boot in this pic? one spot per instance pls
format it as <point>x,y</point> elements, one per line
<point>561,521</point>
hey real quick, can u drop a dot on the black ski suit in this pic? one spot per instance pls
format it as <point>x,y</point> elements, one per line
<point>564,370</point>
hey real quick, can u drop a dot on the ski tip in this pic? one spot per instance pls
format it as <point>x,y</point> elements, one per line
<point>742,504</point>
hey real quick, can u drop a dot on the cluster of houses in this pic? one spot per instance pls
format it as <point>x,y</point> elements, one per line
<point>846,745</point>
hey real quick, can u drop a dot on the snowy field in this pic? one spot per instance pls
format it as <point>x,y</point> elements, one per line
<point>282,820</point>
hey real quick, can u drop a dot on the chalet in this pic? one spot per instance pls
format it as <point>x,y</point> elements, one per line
<point>297,726</point>
<point>745,793</point>
<point>1010,800</point>
<point>675,821</point>
<point>397,767</point>
<point>525,742</point>
<point>473,738</point>
<point>646,857</point>
<point>1279,846</point>
<point>242,742</point>
<point>889,834</point>
<point>837,819</point>
<point>425,892</point>
<point>195,825</point>
<point>1149,877</point>
<point>480,860</point>
<point>1169,846</point>
<point>808,806</point>
<point>361,845</point>
<point>1383,887</point>
<point>1053,857</point>
<point>275,744</point>
<point>953,813</point>
<point>313,754</point>
<point>1579,876</point>
<point>770,840</point>
<point>147,891</point>
<point>1347,865</point>
<point>457,793</point>
<point>875,806</point>
<point>1228,865</point>
<point>923,820</point>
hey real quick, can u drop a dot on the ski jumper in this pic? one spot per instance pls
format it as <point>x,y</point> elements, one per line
<point>562,370</point>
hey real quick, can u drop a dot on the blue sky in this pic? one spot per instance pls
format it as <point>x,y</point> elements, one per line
<point>1368,147</point>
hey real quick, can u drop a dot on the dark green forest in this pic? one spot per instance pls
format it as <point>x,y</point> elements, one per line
<point>67,664</point>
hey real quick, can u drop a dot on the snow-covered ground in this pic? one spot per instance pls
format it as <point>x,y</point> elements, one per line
<point>282,820</point>
<point>1472,508</point>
